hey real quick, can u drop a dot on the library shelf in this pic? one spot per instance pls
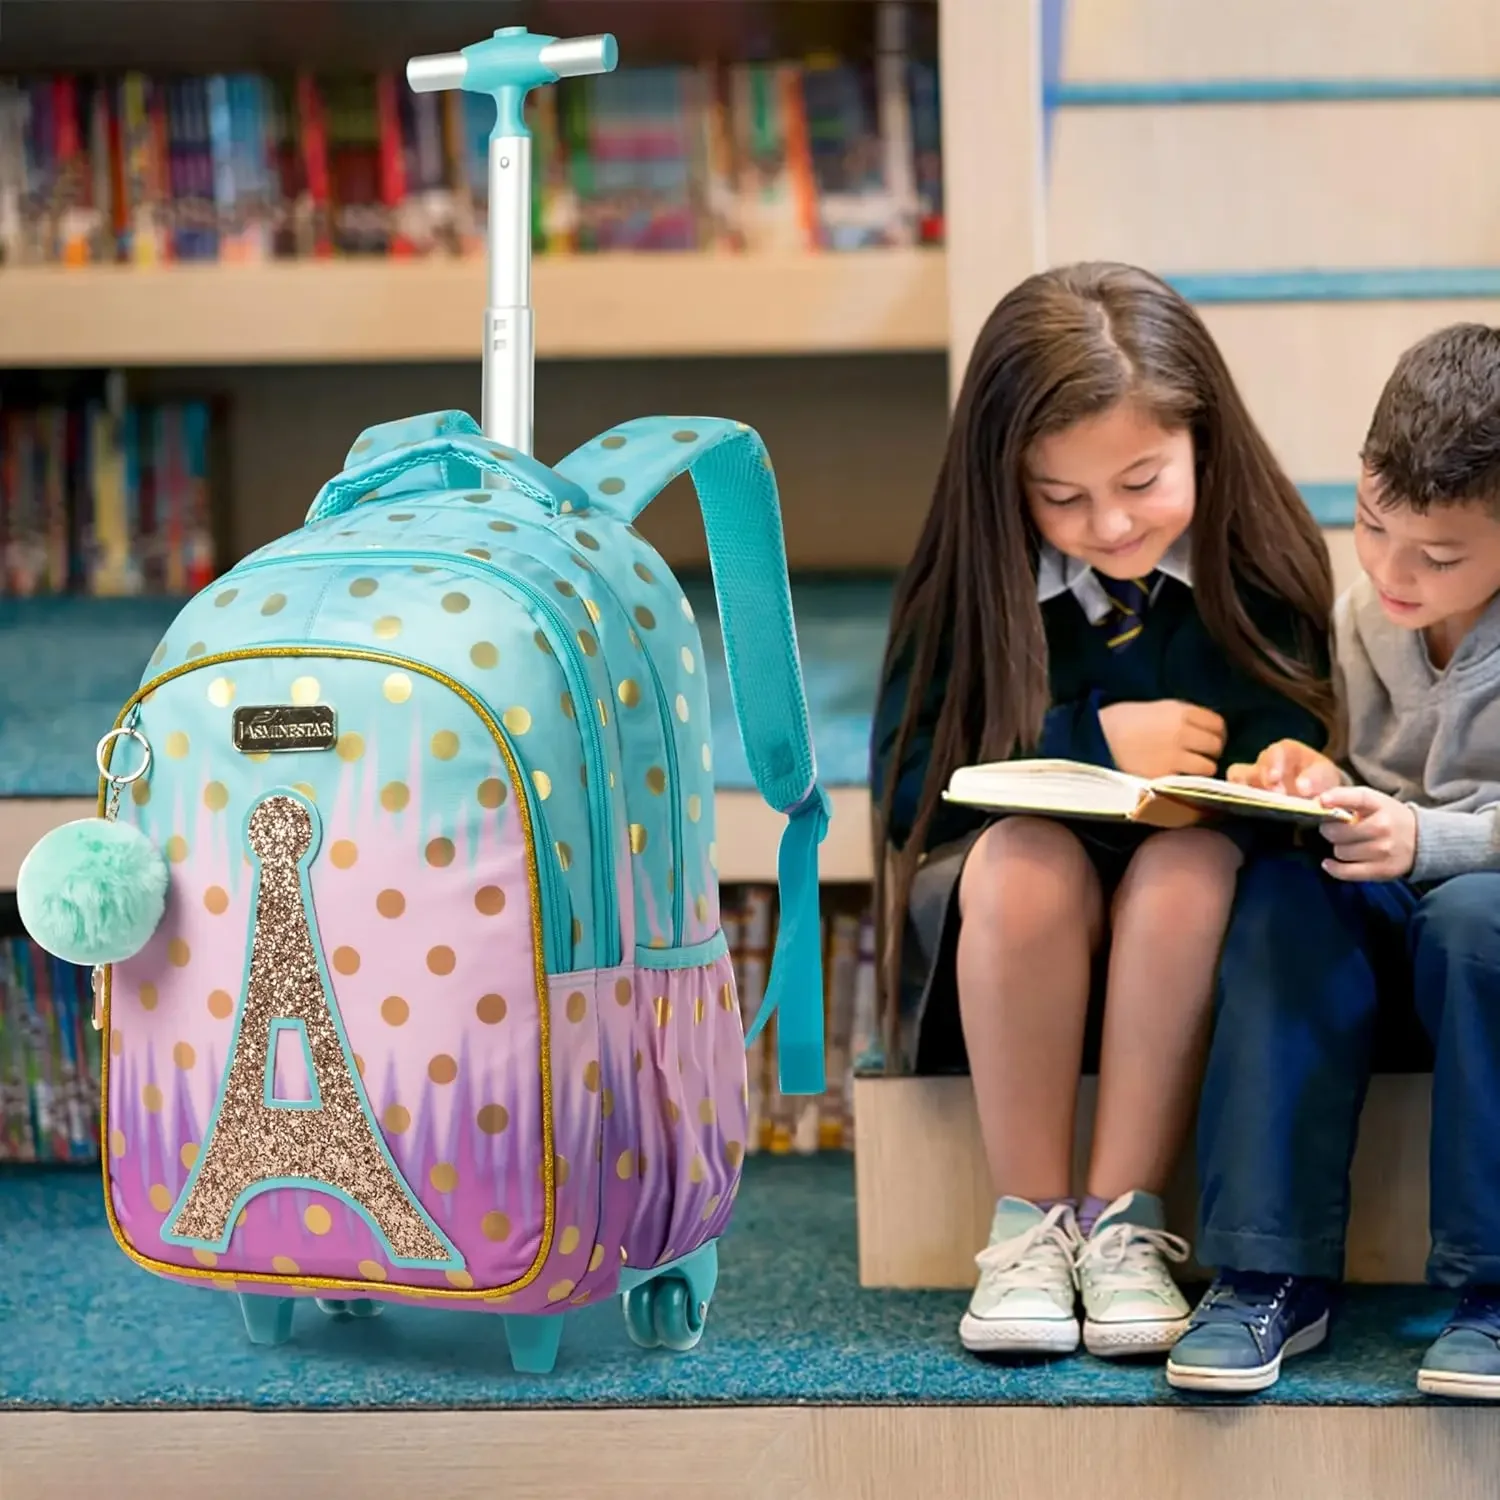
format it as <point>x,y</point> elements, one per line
<point>747,833</point>
<point>641,305</point>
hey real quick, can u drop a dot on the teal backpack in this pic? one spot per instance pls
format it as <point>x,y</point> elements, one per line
<point>403,896</point>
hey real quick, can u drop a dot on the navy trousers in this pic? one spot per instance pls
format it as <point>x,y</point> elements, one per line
<point>1309,966</point>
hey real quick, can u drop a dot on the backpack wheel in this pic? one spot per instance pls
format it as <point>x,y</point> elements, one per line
<point>679,1320</point>
<point>661,1314</point>
<point>640,1320</point>
<point>357,1307</point>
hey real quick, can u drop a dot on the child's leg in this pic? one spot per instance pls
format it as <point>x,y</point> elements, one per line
<point>1031,919</point>
<point>1288,1066</point>
<point>1455,946</point>
<point>1031,915</point>
<point>1297,1000</point>
<point>1168,922</point>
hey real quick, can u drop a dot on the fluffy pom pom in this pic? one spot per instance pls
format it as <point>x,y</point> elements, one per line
<point>92,891</point>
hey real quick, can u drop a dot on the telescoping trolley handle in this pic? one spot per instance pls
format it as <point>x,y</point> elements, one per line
<point>507,66</point>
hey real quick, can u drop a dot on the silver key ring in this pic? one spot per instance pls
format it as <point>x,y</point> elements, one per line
<point>114,778</point>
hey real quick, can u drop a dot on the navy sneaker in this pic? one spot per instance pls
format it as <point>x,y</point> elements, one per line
<point>1465,1359</point>
<point>1246,1324</point>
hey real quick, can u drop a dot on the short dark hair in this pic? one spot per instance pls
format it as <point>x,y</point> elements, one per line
<point>1435,435</point>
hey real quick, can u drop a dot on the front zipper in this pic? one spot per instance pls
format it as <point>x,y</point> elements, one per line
<point>669,750</point>
<point>585,716</point>
<point>669,742</point>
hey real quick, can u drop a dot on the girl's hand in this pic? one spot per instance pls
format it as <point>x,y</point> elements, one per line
<point>1289,766</point>
<point>1166,738</point>
<point>1381,845</point>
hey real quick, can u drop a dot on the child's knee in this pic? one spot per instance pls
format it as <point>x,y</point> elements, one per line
<point>1184,869</point>
<point>1027,874</point>
<point>1460,919</point>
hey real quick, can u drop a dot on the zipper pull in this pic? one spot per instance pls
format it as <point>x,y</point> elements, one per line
<point>98,985</point>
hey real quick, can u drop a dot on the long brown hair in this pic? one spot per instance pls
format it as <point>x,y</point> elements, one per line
<point>1064,345</point>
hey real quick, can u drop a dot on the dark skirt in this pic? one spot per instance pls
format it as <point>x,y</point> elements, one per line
<point>932,1039</point>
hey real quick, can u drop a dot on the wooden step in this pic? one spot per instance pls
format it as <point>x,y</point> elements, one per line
<point>925,1199</point>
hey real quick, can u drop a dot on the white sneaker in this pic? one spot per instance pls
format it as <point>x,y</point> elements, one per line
<point>1131,1304</point>
<point>1025,1300</point>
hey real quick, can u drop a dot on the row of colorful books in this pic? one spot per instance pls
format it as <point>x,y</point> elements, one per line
<point>782,1124</point>
<point>819,154</point>
<point>49,1058</point>
<point>105,501</point>
<point>49,1050</point>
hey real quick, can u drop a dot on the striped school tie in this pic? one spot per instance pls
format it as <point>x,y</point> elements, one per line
<point>1129,597</point>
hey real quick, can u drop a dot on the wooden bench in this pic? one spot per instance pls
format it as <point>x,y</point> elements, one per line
<point>925,1199</point>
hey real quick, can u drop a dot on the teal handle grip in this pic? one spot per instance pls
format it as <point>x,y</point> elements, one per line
<point>509,64</point>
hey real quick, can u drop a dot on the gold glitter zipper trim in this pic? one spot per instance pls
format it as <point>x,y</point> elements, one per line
<point>231,1280</point>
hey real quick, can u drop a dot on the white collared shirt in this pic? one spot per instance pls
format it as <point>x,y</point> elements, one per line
<point>1057,573</point>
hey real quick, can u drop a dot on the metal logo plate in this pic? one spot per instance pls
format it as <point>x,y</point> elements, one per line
<point>283,727</point>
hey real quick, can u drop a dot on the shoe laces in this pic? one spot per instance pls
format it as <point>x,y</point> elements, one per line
<point>1246,1299</point>
<point>1038,1256</point>
<point>1120,1256</point>
<point>1479,1310</point>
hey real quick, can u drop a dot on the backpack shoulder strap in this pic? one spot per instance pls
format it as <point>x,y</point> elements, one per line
<point>620,472</point>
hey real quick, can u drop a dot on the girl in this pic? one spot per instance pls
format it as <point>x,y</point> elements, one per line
<point>1114,569</point>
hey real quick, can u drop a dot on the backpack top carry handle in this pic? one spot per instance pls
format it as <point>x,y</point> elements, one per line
<point>507,66</point>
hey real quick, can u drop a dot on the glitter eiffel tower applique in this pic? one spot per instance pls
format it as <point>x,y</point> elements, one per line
<point>256,1142</point>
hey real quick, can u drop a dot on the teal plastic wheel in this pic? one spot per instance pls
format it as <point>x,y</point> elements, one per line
<point>679,1320</point>
<point>662,1314</point>
<point>357,1307</point>
<point>640,1321</point>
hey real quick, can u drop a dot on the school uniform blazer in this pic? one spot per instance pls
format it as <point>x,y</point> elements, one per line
<point>1173,657</point>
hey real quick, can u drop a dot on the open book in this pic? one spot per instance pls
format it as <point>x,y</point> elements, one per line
<point>1066,788</point>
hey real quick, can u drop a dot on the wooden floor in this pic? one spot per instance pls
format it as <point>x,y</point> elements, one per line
<point>834,1453</point>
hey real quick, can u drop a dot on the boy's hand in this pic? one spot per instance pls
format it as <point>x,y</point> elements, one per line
<point>1289,766</point>
<point>1166,738</point>
<point>1381,845</point>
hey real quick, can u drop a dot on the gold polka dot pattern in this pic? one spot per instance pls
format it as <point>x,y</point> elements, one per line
<point>643,611</point>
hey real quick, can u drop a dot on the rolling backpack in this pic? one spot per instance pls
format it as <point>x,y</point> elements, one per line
<point>403,894</point>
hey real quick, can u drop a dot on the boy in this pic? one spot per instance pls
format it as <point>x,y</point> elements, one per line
<point>1405,909</point>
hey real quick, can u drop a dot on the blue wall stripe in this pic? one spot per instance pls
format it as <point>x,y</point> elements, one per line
<point>1130,93</point>
<point>1332,504</point>
<point>1054,14</point>
<point>1396,284</point>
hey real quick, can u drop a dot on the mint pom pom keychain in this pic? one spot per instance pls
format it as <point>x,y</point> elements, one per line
<point>92,891</point>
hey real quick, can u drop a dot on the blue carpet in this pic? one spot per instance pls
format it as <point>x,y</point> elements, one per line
<point>81,1327</point>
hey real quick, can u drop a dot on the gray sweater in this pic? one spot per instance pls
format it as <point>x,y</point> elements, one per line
<point>1429,737</point>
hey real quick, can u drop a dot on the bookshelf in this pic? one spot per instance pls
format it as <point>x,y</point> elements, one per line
<point>836,356</point>
<point>607,306</point>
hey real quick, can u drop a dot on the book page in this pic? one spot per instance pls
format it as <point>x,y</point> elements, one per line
<point>1062,787</point>
<point>1226,796</point>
